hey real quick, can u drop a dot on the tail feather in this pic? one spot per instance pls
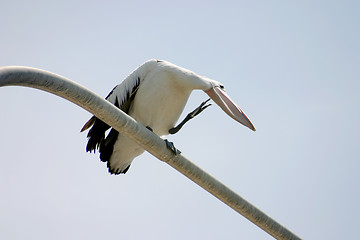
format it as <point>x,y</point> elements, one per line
<point>117,171</point>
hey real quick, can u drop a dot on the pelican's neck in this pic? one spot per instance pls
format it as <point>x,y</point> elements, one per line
<point>204,83</point>
<point>187,79</point>
<point>193,81</point>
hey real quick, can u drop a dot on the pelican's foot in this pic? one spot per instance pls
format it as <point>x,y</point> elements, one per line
<point>171,146</point>
<point>191,115</point>
<point>199,109</point>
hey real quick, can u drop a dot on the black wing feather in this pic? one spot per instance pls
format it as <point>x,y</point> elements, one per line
<point>96,135</point>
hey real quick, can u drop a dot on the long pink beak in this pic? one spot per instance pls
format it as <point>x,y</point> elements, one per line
<point>224,101</point>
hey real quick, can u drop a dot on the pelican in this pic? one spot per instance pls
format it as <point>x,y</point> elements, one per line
<point>155,95</point>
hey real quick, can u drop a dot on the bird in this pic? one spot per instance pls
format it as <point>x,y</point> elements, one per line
<point>155,95</point>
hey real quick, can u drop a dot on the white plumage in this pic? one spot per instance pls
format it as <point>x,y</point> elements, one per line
<point>155,95</point>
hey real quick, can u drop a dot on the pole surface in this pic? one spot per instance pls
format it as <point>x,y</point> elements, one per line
<point>102,109</point>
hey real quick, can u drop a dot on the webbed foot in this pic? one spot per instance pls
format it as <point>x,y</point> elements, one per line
<point>172,147</point>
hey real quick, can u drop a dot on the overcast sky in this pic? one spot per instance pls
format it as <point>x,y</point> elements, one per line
<point>292,66</point>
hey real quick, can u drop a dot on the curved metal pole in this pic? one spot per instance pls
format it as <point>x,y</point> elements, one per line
<point>95,104</point>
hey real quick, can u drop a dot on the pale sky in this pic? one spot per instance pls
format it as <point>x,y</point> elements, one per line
<point>292,66</point>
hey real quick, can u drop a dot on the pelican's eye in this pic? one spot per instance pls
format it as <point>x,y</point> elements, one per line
<point>221,86</point>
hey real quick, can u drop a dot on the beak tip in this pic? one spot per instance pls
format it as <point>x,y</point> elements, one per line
<point>252,128</point>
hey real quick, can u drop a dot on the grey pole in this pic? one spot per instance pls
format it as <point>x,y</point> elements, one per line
<point>95,104</point>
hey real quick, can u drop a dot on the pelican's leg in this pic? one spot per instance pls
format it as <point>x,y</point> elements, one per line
<point>169,145</point>
<point>198,110</point>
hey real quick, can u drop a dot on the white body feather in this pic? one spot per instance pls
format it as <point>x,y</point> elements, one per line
<point>160,99</point>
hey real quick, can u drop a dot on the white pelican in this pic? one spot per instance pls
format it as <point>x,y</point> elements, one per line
<point>155,95</point>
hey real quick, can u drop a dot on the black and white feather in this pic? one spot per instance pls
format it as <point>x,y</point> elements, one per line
<point>155,95</point>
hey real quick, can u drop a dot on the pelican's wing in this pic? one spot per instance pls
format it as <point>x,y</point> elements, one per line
<point>121,96</point>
